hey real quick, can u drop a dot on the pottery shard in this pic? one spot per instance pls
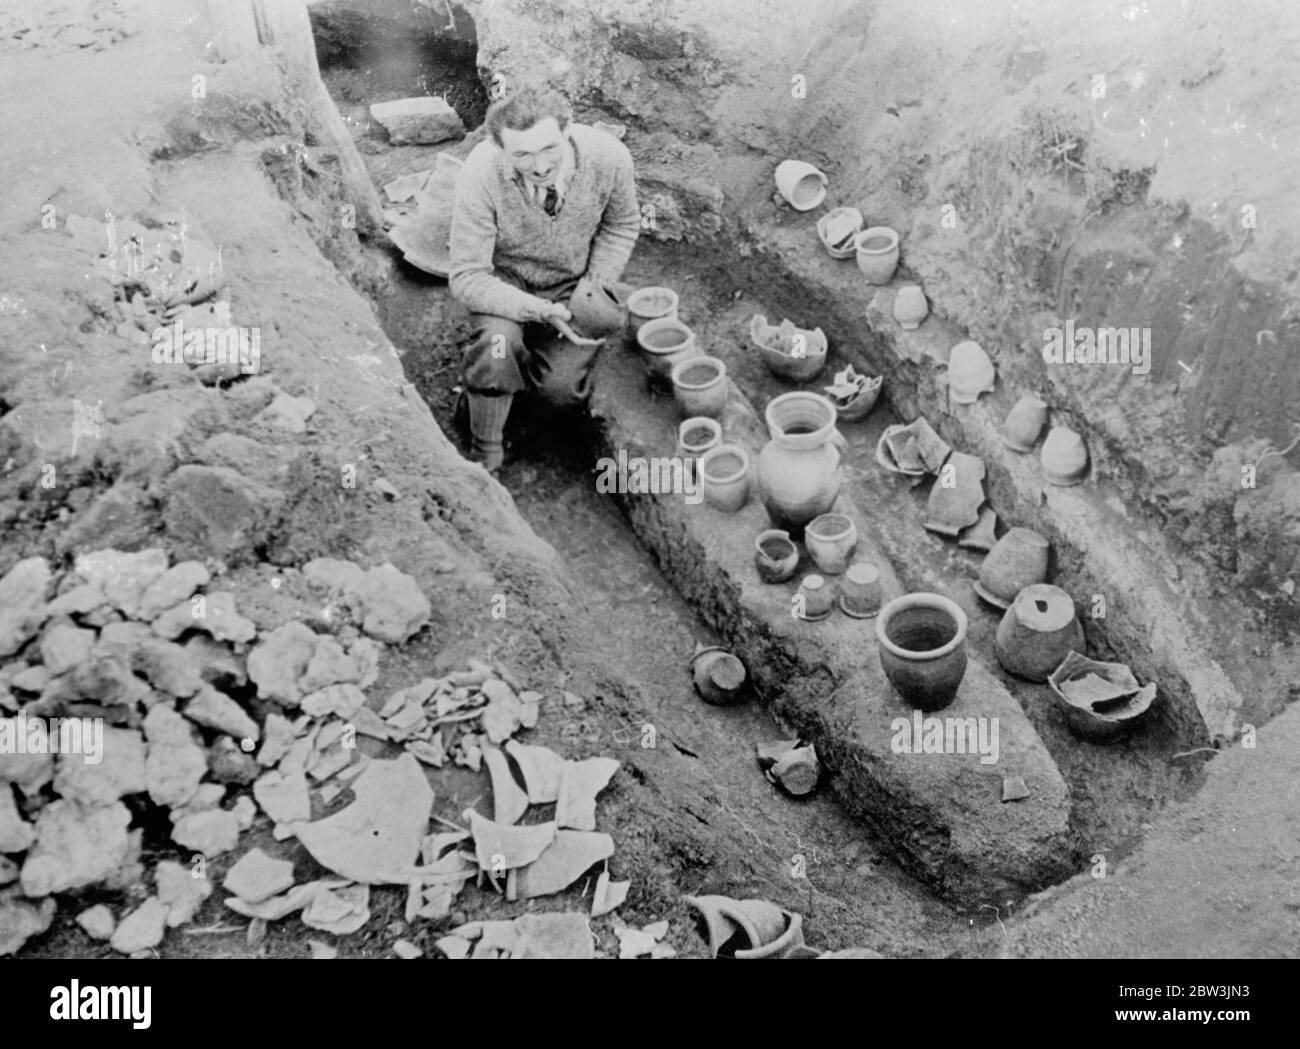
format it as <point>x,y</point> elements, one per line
<point>75,847</point>
<point>422,121</point>
<point>180,890</point>
<point>508,801</point>
<point>329,665</point>
<point>257,876</point>
<point>283,796</point>
<point>340,911</point>
<point>97,922</point>
<point>502,715</point>
<point>541,767</point>
<point>211,832</point>
<point>22,919</point>
<point>175,761</point>
<point>565,860</point>
<point>499,847</point>
<point>64,646</point>
<point>119,771</point>
<point>278,907</point>
<point>280,660</point>
<point>554,936</point>
<point>16,834</point>
<point>580,782</point>
<point>142,929</point>
<point>216,710</point>
<point>608,895</point>
<point>376,836</point>
<point>339,700</point>
<point>22,603</point>
<point>173,587</point>
<point>392,606</point>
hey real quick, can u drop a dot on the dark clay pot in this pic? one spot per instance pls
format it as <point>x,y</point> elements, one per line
<point>923,648</point>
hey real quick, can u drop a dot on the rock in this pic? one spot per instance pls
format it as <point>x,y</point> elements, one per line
<point>31,679</point>
<point>22,919</point>
<point>218,511</point>
<point>81,599</point>
<point>181,892</point>
<point>288,413</point>
<point>22,603</point>
<point>1013,788</point>
<point>406,949</point>
<point>16,834</point>
<point>116,517</point>
<point>332,574</point>
<point>423,121</point>
<point>123,577</point>
<point>167,666</point>
<point>329,665</point>
<point>283,796</point>
<point>257,876</point>
<point>608,895</point>
<point>64,646</point>
<point>454,946</point>
<point>212,613</point>
<point>244,811</point>
<point>121,640</point>
<point>365,655</point>
<point>216,710</point>
<point>215,663</point>
<point>342,701</point>
<point>554,936</point>
<point>175,586</point>
<point>321,950</point>
<point>208,796</point>
<point>340,911</point>
<point>280,735</point>
<point>175,761</point>
<point>211,832</point>
<point>142,929</point>
<point>98,922</point>
<point>376,836</point>
<point>229,763</point>
<point>391,603</point>
<point>278,662</point>
<point>120,771</point>
<point>8,871</point>
<point>32,770</point>
<point>75,847</point>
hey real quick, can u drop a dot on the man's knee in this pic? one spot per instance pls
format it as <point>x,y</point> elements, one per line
<point>492,357</point>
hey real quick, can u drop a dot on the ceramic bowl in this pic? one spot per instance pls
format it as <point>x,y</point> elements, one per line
<point>839,219</point>
<point>876,249</point>
<point>831,540</point>
<point>775,555</point>
<point>664,343</point>
<point>650,304</point>
<point>791,366</point>
<point>724,476</point>
<point>860,404</point>
<point>700,386</point>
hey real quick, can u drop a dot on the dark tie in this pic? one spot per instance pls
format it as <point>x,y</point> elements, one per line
<point>552,198</point>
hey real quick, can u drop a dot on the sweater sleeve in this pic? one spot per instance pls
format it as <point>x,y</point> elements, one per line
<point>471,277</point>
<point>620,226</point>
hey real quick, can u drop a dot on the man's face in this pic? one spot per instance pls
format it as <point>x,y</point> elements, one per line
<point>536,153</point>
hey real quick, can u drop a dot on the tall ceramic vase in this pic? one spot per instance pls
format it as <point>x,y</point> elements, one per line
<point>799,469</point>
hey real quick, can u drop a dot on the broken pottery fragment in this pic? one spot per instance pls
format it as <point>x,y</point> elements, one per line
<point>494,939</point>
<point>282,906</point>
<point>340,911</point>
<point>455,947</point>
<point>283,796</point>
<point>508,799</point>
<point>368,723</point>
<point>580,782</point>
<point>211,832</point>
<point>429,752</point>
<point>608,895</point>
<point>257,876</point>
<point>381,830</point>
<point>554,936</point>
<point>797,771</point>
<point>1013,788</point>
<point>503,711</point>
<point>499,847</point>
<point>569,856</point>
<point>981,535</point>
<point>956,495</point>
<point>637,943</point>
<point>541,768</point>
<point>1101,701</point>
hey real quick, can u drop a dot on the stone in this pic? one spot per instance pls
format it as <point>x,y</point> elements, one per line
<point>392,606</point>
<point>167,666</point>
<point>75,847</point>
<point>283,796</point>
<point>173,587</point>
<point>454,946</point>
<point>213,510</point>
<point>175,762</point>
<point>213,613</point>
<point>278,907</point>
<point>97,922</point>
<point>332,574</point>
<point>22,919</point>
<point>22,603</point>
<point>376,836</point>
<point>229,763</point>
<point>424,120</point>
<point>208,796</point>
<point>339,700</point>
<point>32,679</point>
<point>123,577</point>
<point>120,771</point>
<point>279,660</point>
<point>280,734</point>
<point>608,895</point>
<point>216,710</point>
<point>406,949</point>
<point>8,871</point>
<point>210,832</point>
<point>554,936</point>
<point>257,876</point>
<point>215,663</point>
<point>329,665</point>
<point>1013,788</point>
<point>340,911</point>
<point>365,656</point>
<point>64,646</point>
<point>32,770</point>
<point>16,834</point>
<point>142,929</point>
<point>180,890</point>
<point>80,600</point>
<point>287,413</point>
<point>245,811</point>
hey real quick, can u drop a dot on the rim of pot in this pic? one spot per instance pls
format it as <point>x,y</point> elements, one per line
<point>830,518</point>
<point>811,402</point>
<point>708,458</point>
<point>664,324</point>
<point>641,294</point>
<point>860,240</point>
<point>679,369</point>
<point>921,600</point>
<point>699,422</point>
<point>779,535</point>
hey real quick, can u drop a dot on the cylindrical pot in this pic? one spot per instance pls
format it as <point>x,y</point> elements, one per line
<point>700,386</point>
<point>1064,457</point>
<point>775,555</point>
<point>719,676</point>
<point>860,592</point>
<point>877,252</point>
<point>802,185</point>
<point>1038,631</point>
<point>664,343</point>
<point>799,468</point>
<point>1023,424</point>
<point>724,477</point>
<point>818,597</point>
<point>910,307</point>
<point>923,648</point>
<point>695,437</point>
<point>650,304</point>
<point>1017,560</point>
<point>831,540</point>
<point>970,372</point>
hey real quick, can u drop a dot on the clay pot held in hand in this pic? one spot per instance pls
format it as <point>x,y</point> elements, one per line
<point>724,477</point>
<point>831,540</point>
<point>877,252</point>
<point>923,648</point>
<point>700,386</point>
<point>597,310</point>
<point>1024,423</point>
<point>664,343</point>
<point>1038,631</point>
<point>775,555</point>
<point>799,468</point>
<point>1017,560</point>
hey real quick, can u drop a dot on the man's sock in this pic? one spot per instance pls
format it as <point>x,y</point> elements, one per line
<point>487,427</point>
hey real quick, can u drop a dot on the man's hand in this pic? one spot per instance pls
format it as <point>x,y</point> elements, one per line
<point>554,311</point>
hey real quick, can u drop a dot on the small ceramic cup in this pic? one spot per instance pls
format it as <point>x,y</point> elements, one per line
<point>860,592</point>
<point>818,597</point>
<point>831,540</point>
<point>724,476</point>
<point>775,555</point>
<point>696,436</point>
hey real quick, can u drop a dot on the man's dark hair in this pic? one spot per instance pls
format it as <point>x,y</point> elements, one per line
<point>525,107</point>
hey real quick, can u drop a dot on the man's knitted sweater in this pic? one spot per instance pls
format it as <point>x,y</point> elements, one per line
<point>503,243</point>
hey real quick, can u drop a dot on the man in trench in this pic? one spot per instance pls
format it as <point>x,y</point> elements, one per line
<point>544,221</point>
